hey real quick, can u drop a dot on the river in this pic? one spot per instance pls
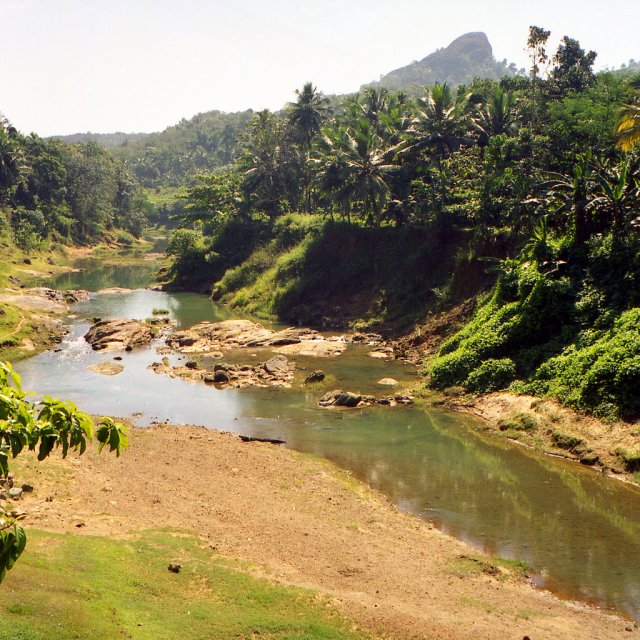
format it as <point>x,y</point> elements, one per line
<point>578,531</point>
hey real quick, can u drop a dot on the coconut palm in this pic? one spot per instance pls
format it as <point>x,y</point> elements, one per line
<point>495,116</point>
<point>439,125</point>
<point>308,113</point>
<point>356,167</point>
<point>628,127</point>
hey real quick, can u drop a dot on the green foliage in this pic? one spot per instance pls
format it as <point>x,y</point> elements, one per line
<point>575,337</point>
<point>203,144</point>
<point>601,374</point>
<point>519,422</point>
<point>43,426</point>
<point>74,192</point>
<point>491,375</point>
<point>191,255</point>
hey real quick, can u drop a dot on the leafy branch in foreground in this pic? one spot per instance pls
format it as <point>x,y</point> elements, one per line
<point>44,426</point>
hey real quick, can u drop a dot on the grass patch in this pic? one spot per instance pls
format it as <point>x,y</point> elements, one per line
<point>565,441</point>
<point>466,566</point>
<point>631,460</point>
<point>519,422</point>
<point>69,586</point>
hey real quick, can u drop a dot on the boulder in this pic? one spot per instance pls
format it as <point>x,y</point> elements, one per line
<point>107,368</point>
<point>316,376</point>
<point>339,398</point>
<point>388,382</point>
<point>278,365</point>
<point>209,337</point>
<point>221,377</point>
<point>314,348</point>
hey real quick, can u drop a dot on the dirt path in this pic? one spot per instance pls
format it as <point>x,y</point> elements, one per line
<point>17,329</point>
<point>301,521</point>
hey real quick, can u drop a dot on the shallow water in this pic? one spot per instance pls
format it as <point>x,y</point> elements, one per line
<point>580,532</point>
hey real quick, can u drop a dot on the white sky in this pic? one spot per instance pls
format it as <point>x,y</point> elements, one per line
<point>142,65</point>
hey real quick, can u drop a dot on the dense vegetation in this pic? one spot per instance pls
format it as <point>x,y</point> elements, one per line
<point>173,156</point>
<point>411,205</point>
<point>70,193</point>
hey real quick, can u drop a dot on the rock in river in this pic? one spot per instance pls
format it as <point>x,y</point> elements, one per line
<point>339,398</point>
<point>216,337</point>
<point>107,368</point>
<point>118,334</point>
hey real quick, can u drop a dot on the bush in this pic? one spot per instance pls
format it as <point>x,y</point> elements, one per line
<point>491,375</point>
<point>565,441</point>
<point>519,422</point>
<point>604,377</point>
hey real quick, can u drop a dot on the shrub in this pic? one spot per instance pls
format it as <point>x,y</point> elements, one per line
<point>519,422</point>
<point>565,441</point>
<point>491,375</point>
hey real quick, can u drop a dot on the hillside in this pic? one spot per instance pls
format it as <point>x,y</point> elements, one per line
<point>467,57</point>
<point>201,144</point>
<point>106,140</point>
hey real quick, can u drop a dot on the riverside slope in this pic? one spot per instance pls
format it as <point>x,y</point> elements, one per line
<point>301,521</point>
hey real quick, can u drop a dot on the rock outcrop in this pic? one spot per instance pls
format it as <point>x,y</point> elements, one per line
<point>468,56</point>
<point>213,338</point>
<point>121,333</point>
<point>349,400</point>
<point>275,372</point>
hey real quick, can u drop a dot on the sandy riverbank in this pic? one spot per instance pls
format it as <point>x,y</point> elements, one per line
<point>543,424</point>
<point>301,521</point>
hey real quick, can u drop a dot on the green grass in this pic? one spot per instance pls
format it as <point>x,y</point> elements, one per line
<point>465,566</point>
<point>69,587</point>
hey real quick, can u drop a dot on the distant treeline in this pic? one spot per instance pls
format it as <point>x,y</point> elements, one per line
<point>71,192</point>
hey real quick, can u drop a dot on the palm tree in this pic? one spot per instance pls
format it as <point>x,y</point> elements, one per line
<point>308,113</point>
<point>356,167</point>
<point>270,164</point>
<point>439,125</point>
<point>572,195</point>
<point>496,116</point>
<point>617,190</point>
<point>628,127</point>
<point>306,116</point>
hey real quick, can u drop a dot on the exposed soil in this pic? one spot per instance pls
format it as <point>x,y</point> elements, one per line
<point>301,521</point>
<point>427,337</point>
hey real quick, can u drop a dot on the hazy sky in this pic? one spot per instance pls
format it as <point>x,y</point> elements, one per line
<point>142,65</point>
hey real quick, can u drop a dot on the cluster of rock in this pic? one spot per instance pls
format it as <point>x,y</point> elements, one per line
<point>118,334</point>
<point>339,398</point>
<point>43,299</point>
<point>213,338</point>
<point>275,372</point>
<point>8,490</point>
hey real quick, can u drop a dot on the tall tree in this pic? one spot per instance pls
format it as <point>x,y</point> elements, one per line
<point>573,67</point>
<point>536,44</point>
<point>307,115</point>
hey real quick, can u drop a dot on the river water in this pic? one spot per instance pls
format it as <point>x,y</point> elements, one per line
<point>578,531</point>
